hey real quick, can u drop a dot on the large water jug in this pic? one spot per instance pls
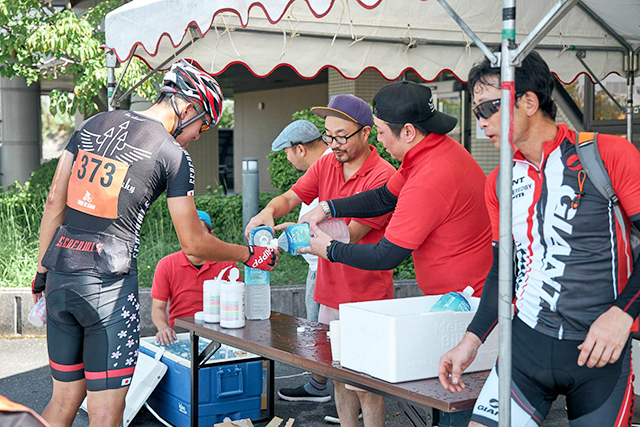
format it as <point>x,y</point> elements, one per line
<point>258,287</point>
<point>455,301</point>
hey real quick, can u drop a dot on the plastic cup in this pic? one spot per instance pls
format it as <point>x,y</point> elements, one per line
<point>334,329</point>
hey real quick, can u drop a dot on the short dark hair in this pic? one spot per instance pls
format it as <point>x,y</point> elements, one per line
<point>532,76</point>
<point>396,128</point>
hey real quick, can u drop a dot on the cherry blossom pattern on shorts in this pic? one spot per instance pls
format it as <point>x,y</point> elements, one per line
<point>129,336</point>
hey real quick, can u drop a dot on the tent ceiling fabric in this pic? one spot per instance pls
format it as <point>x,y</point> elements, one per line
<point>388,35</point>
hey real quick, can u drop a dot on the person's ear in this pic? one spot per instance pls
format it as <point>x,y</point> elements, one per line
<point>530,102</point>
<point>408,132</point>
<point>366,131</point>
<point>184,113</point>
<point>301,149</point>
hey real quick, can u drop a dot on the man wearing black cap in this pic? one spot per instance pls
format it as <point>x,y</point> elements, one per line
<point>354,167</point>
<point>437,200</point>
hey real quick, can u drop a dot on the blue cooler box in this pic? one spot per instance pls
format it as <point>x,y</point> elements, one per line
<point>230,383</point>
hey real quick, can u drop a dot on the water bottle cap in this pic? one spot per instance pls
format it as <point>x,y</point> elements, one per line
<point>469,290</point>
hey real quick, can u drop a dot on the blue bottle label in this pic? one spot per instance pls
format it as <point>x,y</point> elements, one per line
<point>298,236</point>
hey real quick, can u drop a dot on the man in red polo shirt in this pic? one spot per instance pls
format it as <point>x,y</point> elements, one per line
<point>355,167</point>
<point>437,200</point>
<point>178,279</point>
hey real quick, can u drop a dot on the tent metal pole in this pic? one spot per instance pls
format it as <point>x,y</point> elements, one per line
<point>605,26</point>
<point>561,8</point>
<point>580,55</point>
<point>126,67</point>
<point>631,69</point>
<point>487,52</point>
<point>111,62</point>
<point>194,38</point>
<point>505,260</point>
<point>426,42</point>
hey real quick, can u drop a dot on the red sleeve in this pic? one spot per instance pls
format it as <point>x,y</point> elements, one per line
<point>161,287</point>
<point>416,202</point>
<point>493,207</point>
<point>381,179</point>
<point>622,161</point>
<point>396,182</point>
<point>307,186</point>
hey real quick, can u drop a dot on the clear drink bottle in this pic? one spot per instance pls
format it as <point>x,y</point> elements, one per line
<point>258,284</point>
<point>455,301</point>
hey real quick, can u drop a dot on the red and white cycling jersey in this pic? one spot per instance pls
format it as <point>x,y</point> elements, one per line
<point>572,263</point>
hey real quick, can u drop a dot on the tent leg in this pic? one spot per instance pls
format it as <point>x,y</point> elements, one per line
<point>111,78</point>
<point>505,261</point>
<point>632,66</point>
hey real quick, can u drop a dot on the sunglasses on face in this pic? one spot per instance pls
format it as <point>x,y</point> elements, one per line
<point>486,109</point>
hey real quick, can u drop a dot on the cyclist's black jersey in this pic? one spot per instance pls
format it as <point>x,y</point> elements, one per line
<point>122,162</point>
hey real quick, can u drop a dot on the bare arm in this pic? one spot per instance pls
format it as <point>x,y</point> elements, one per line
<point>276,208</point>
<point>357,231</point>
<point>55,206</point>
<point>195,241</point>
<point>165,335</point>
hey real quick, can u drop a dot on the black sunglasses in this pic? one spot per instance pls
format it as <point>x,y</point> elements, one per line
<point>486,109</point>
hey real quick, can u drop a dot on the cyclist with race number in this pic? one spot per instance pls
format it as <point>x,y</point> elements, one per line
<point>115,165</point>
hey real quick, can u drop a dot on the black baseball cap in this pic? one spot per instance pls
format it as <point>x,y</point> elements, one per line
<point>409,102</point>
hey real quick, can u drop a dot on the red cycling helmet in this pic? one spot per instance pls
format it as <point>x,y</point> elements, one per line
<point>194,84</point>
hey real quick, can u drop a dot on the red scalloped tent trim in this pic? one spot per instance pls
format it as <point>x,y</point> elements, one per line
<point>243,24</point>
<point>260,76</point>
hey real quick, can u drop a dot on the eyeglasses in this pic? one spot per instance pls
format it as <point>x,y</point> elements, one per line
<point>341,140</point>
<point>486,109</point>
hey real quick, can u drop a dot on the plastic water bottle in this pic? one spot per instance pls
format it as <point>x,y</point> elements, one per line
<point>258,289</point>
<point>38,314</point>
<point>336,228</point>
<point>297,236</point>
<point>455,301</point>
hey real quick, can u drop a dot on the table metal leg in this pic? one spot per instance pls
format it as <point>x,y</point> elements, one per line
<point>271,388</point>
<point>414,416</point>
<point>195,370</point>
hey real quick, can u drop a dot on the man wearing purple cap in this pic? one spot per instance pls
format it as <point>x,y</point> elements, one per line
<point>355,167</point>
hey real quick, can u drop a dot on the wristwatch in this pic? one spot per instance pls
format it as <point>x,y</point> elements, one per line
<point>326,209</point>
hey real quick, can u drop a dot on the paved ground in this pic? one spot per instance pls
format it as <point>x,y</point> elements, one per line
<point>25,378</point>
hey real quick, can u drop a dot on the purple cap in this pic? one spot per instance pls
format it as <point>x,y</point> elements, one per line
<point>348,107</point>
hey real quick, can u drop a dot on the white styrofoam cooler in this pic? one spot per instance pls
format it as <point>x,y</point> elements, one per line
<point>399,340</point>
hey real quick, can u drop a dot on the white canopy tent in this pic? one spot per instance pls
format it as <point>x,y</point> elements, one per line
<point>351,36</point>
<point>598,37</point>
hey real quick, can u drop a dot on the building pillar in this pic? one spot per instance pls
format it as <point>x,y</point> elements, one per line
<point>20,148</point>
<point>365,86</point>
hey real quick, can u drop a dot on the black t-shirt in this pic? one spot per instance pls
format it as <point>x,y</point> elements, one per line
<point>122,163</point>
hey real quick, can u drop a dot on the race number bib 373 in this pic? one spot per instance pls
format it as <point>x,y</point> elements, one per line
<point>95,185</point>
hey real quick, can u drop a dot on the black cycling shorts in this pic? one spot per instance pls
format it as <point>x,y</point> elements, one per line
<point>544,367</point>
<point>93,329</point>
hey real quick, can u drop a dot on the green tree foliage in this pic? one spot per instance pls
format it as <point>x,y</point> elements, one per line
<point>40,42</point>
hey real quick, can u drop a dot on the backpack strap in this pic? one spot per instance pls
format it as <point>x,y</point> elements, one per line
<point>587,150</point>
